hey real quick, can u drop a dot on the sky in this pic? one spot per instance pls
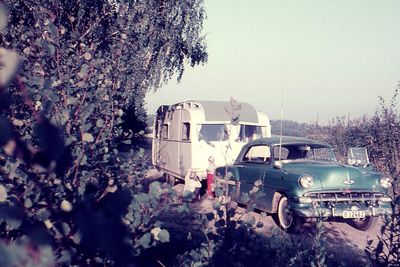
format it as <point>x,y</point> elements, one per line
<point>318,59</point>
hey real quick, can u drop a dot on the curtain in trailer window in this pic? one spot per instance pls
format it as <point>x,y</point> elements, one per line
<point>164,131</point>
<point>185,131</point>
<point>213,132</point>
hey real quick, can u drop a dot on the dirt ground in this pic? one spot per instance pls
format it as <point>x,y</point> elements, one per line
<point>344,241</point>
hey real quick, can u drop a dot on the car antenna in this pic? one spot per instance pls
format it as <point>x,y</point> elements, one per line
<point>281,124</point>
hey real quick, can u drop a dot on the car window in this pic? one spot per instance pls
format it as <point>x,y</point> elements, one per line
<point>321,153</point>
<point>258,153</point>
<point>284,153</point>
<point>299,151</point>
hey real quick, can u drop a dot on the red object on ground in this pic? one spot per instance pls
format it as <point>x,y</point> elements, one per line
<point>210,177</point>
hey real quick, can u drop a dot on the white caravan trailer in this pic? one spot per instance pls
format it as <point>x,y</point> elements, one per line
<point>186,134</point>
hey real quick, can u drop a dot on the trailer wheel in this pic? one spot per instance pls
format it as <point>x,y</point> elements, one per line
<point>170,179</point>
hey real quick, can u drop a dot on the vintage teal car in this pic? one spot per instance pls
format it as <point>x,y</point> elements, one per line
<point>299,178</point>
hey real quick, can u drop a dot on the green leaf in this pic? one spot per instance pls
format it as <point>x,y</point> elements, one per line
<point>245,198</point>
<point>216,205</point>
<point>27,50</point>
<point>77,237</point>
<point>87,137</point>
<point>3,17</point>
<point>12,216</point>
<point>155,189</point>
<point>64,259</point>
<point>52,30</point>
<point>219,191</point>
<point>87,56</point>
<point>184,208</point>
<point>65,228</point>
<point>163,236</point>
<point>50,49</point>
<point>84,70</point>
<point>112,188</point>
<point>99,123</point>
<point>145,240</point>
<point>28,203</point>
<point>3,193</point>
<point>42,214</point>
<point>66,206</point>
<point>251,221</point>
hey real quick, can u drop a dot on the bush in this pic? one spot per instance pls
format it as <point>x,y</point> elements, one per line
<point>63,182</point>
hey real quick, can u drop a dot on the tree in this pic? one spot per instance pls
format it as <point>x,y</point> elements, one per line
<point>61,173</point>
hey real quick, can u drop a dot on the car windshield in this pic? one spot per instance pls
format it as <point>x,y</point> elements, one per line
<point>303,151</point>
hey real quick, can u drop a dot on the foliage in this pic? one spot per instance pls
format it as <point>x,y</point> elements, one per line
<point>26,254</point>
<point>289,128</point>
<point>381,136</point>
<point>63,181</point>
<point>232,239</point>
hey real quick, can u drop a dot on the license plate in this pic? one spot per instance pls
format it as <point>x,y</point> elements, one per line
<point>347,214</point>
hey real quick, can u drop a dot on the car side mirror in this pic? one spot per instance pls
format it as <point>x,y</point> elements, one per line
<point>278,165</point>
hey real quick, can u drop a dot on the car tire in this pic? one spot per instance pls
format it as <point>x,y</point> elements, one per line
<point>286,219</point>
<point>364,224</point>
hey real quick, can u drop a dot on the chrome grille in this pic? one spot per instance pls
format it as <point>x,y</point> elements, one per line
<point>344,196</point>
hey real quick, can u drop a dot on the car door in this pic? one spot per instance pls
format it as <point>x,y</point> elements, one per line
<point>274,179</point>
<point>251,169</point>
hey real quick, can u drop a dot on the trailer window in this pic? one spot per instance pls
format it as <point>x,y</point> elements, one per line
<point>213,132</point>
<point>186,131</point>
<point>164,131</point>
<point>250,132</point>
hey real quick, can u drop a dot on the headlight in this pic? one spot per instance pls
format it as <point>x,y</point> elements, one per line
<point>306,181</point>
<point>385,182</point>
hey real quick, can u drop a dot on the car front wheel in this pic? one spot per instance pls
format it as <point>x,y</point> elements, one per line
<point>364,224</point>
<point>287,220</point>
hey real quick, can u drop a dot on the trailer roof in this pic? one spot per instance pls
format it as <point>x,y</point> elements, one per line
<point>217,111</point>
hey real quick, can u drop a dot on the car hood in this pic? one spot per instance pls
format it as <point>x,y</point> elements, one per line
<point>333,176</point>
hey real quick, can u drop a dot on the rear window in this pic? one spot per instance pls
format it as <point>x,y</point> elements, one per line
<point>260,153</point>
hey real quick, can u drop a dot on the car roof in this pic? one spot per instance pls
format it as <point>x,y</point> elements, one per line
<point>286,140</point>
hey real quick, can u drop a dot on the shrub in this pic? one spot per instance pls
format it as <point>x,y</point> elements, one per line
<point>63,182</point>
